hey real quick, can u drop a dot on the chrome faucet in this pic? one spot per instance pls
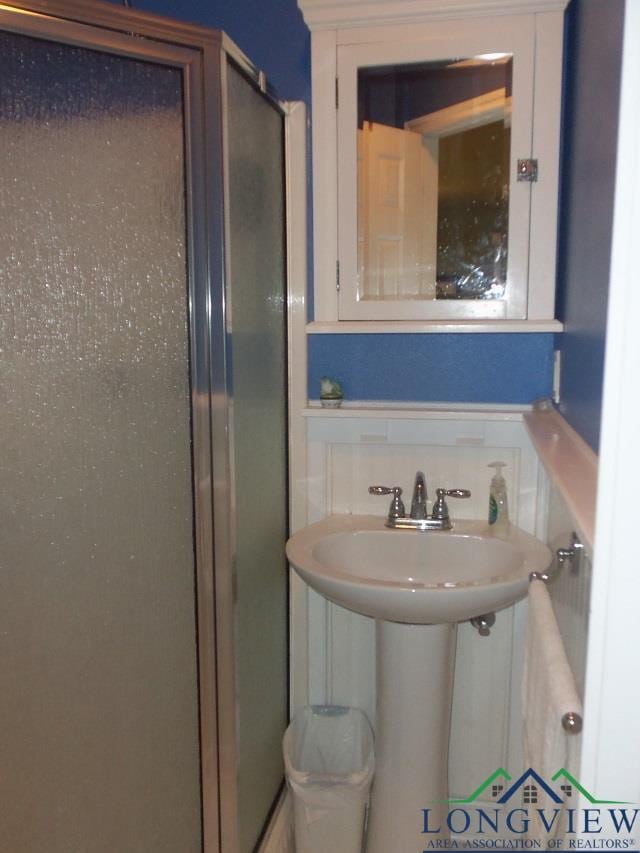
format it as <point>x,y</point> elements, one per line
<point>418,518</point>
<point>419,500</point>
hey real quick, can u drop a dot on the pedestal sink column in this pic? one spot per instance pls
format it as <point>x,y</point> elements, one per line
<point>415,665</point>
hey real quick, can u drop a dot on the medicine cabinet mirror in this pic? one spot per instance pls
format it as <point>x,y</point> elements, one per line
<point>434,141</point>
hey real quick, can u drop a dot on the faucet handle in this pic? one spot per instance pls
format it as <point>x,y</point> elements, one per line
<point>453,493</point>
<point>396,510</point>
<point>440,508</point>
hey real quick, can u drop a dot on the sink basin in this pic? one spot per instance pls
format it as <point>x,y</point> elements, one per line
<point>419,578</point>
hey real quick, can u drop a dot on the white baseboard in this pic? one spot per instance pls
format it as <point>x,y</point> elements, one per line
<point>279,837</point>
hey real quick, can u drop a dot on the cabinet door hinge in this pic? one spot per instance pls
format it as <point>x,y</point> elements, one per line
<point>337,94</point>
<point>337,275</point>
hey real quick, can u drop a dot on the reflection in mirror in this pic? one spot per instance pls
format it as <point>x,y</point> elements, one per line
<point>433,179</point>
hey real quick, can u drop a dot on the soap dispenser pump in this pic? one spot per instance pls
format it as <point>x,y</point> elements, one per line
<point>498,504</point>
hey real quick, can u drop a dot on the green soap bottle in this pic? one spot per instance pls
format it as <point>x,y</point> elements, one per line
<point>498,503</point>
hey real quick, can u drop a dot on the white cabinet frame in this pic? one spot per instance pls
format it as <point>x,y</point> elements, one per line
<point>335,220</point>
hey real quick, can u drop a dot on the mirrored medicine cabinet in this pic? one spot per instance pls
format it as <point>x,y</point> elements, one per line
<point>435,148</point>
<point>433,144</point>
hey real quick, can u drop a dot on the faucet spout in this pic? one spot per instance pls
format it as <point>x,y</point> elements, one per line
<point>419,500</point>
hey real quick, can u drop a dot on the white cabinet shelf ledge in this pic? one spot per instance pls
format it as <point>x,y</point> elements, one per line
<point>408,327</point>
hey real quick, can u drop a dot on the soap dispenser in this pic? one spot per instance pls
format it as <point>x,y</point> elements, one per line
<point>498,505</point>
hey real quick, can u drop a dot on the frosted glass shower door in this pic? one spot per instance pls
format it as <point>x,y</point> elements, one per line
<point>256,293</point>
<point>99,702</point>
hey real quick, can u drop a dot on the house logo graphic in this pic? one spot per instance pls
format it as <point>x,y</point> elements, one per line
<point>531,784</point>
<point>557,809</point>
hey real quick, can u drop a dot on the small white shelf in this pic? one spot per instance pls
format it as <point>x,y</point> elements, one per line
<point>392,410</point>
<point>407,327</point>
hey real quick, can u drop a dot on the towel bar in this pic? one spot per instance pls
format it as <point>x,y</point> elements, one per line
<point>572,723</point>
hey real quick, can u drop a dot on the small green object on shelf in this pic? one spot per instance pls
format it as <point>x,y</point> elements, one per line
<point>330,393</point>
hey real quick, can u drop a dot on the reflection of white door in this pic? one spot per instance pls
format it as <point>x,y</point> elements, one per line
<point>397,213</point>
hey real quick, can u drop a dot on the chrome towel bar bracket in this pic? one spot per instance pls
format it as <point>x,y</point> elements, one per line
<point>571,555</point>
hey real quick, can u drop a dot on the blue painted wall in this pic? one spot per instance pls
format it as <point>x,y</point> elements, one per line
<point>463,368</point>
<point>474,368</point>
<point>271,32</point>
<point>594,41</point>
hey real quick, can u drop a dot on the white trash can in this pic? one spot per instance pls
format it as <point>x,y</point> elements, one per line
<point>328,757</point>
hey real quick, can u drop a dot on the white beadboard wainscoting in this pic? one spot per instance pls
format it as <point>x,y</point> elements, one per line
<point>551,478</point>
<point>571,588</point>
<point>334,649</point>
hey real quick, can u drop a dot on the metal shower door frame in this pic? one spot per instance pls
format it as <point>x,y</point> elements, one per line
<point>201,54</point>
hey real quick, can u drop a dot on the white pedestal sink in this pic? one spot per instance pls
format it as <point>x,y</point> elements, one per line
<point>417,585</point>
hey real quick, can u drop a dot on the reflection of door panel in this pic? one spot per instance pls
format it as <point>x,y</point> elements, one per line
<point>397,217</point>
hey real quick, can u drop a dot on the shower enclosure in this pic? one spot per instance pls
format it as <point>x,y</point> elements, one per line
<point>143,509</point>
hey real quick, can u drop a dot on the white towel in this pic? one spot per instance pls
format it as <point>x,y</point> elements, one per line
<point>549,692</point>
